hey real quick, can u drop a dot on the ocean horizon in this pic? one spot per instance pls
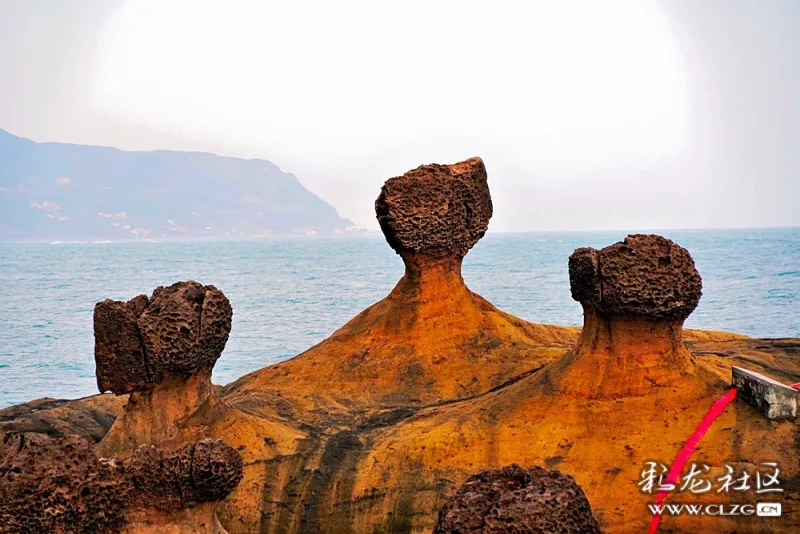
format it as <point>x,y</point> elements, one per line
<point>291,292</point>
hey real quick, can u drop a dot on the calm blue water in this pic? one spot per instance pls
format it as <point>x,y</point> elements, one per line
<point>289,294</point>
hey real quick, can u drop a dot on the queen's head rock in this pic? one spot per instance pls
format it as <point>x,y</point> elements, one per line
<point>512,499</point>
<point>436,210</point>
<point>431,339</point>
<point>60,485</point>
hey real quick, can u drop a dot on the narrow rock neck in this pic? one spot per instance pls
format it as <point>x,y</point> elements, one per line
<point>432,291</point>
<point>623,356</point>
<point>155,416</point>
<point>425,272</point>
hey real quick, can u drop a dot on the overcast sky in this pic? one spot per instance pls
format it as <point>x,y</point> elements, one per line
<point>622,114</point>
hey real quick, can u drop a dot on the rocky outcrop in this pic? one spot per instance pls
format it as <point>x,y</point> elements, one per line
<point>376,427</point>
<point>431,339</point>
<point>182,329</point>
<point>59,485</point>
<point>89,417</point>
<point>630,392</point>
<point>161,350</point>
<point>635,296</point>
<point>512,500</point>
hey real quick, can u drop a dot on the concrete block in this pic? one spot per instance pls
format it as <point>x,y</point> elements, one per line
<point>775,400</point>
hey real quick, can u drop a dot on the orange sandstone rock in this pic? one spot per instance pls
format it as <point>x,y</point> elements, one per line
<point>431,339</point>
<point>162,350</point>
<point>375,427</point>
<point>635,296</point>
<point>629,393</point>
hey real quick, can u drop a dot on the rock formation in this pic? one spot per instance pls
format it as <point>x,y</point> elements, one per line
<point>514,500</point>
<point>629,393</point>
<point>374,428</point>
<point>644,275</point>
<point>436,210</point>
<point>58,485</point>
<point>161,350</point>
<point>432,339</point>
<point>89,417</point>
<point>635,296</point>
<point>180,330</point>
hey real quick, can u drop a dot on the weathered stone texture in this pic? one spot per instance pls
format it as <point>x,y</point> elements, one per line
<point>515,500</point>
<point>182,328</point>
<point>59,485</point>
<point>170,480</point>
<point>436,209</point>
<point>644,275</point>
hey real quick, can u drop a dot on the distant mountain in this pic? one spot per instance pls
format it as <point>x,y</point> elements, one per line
<point>64,191</point>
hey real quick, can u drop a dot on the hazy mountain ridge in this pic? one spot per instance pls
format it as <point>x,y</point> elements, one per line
<point>67,191</point>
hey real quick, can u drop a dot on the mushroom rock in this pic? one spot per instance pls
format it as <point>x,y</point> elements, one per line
<point>375,427</point>
<point>435,210</point>
<point>161,351</point>
<point>59,485</point>
<point>431,339</point>
<point>635,296</point>
<point>630,393</point>
<point>512,500</point>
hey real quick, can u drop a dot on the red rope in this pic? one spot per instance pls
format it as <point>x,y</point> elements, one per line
<point>689,447</point>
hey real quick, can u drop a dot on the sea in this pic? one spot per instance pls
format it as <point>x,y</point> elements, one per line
<point>289,294</point>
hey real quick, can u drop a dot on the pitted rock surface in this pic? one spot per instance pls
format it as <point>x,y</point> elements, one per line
<point>59,485</point>
<point>118,351</point>
<point>170,480</point>
<point>182,328</point>
<point>216,470</point>
<point>436,209</point>
<point>644,275</point>
<point>515,500</point>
